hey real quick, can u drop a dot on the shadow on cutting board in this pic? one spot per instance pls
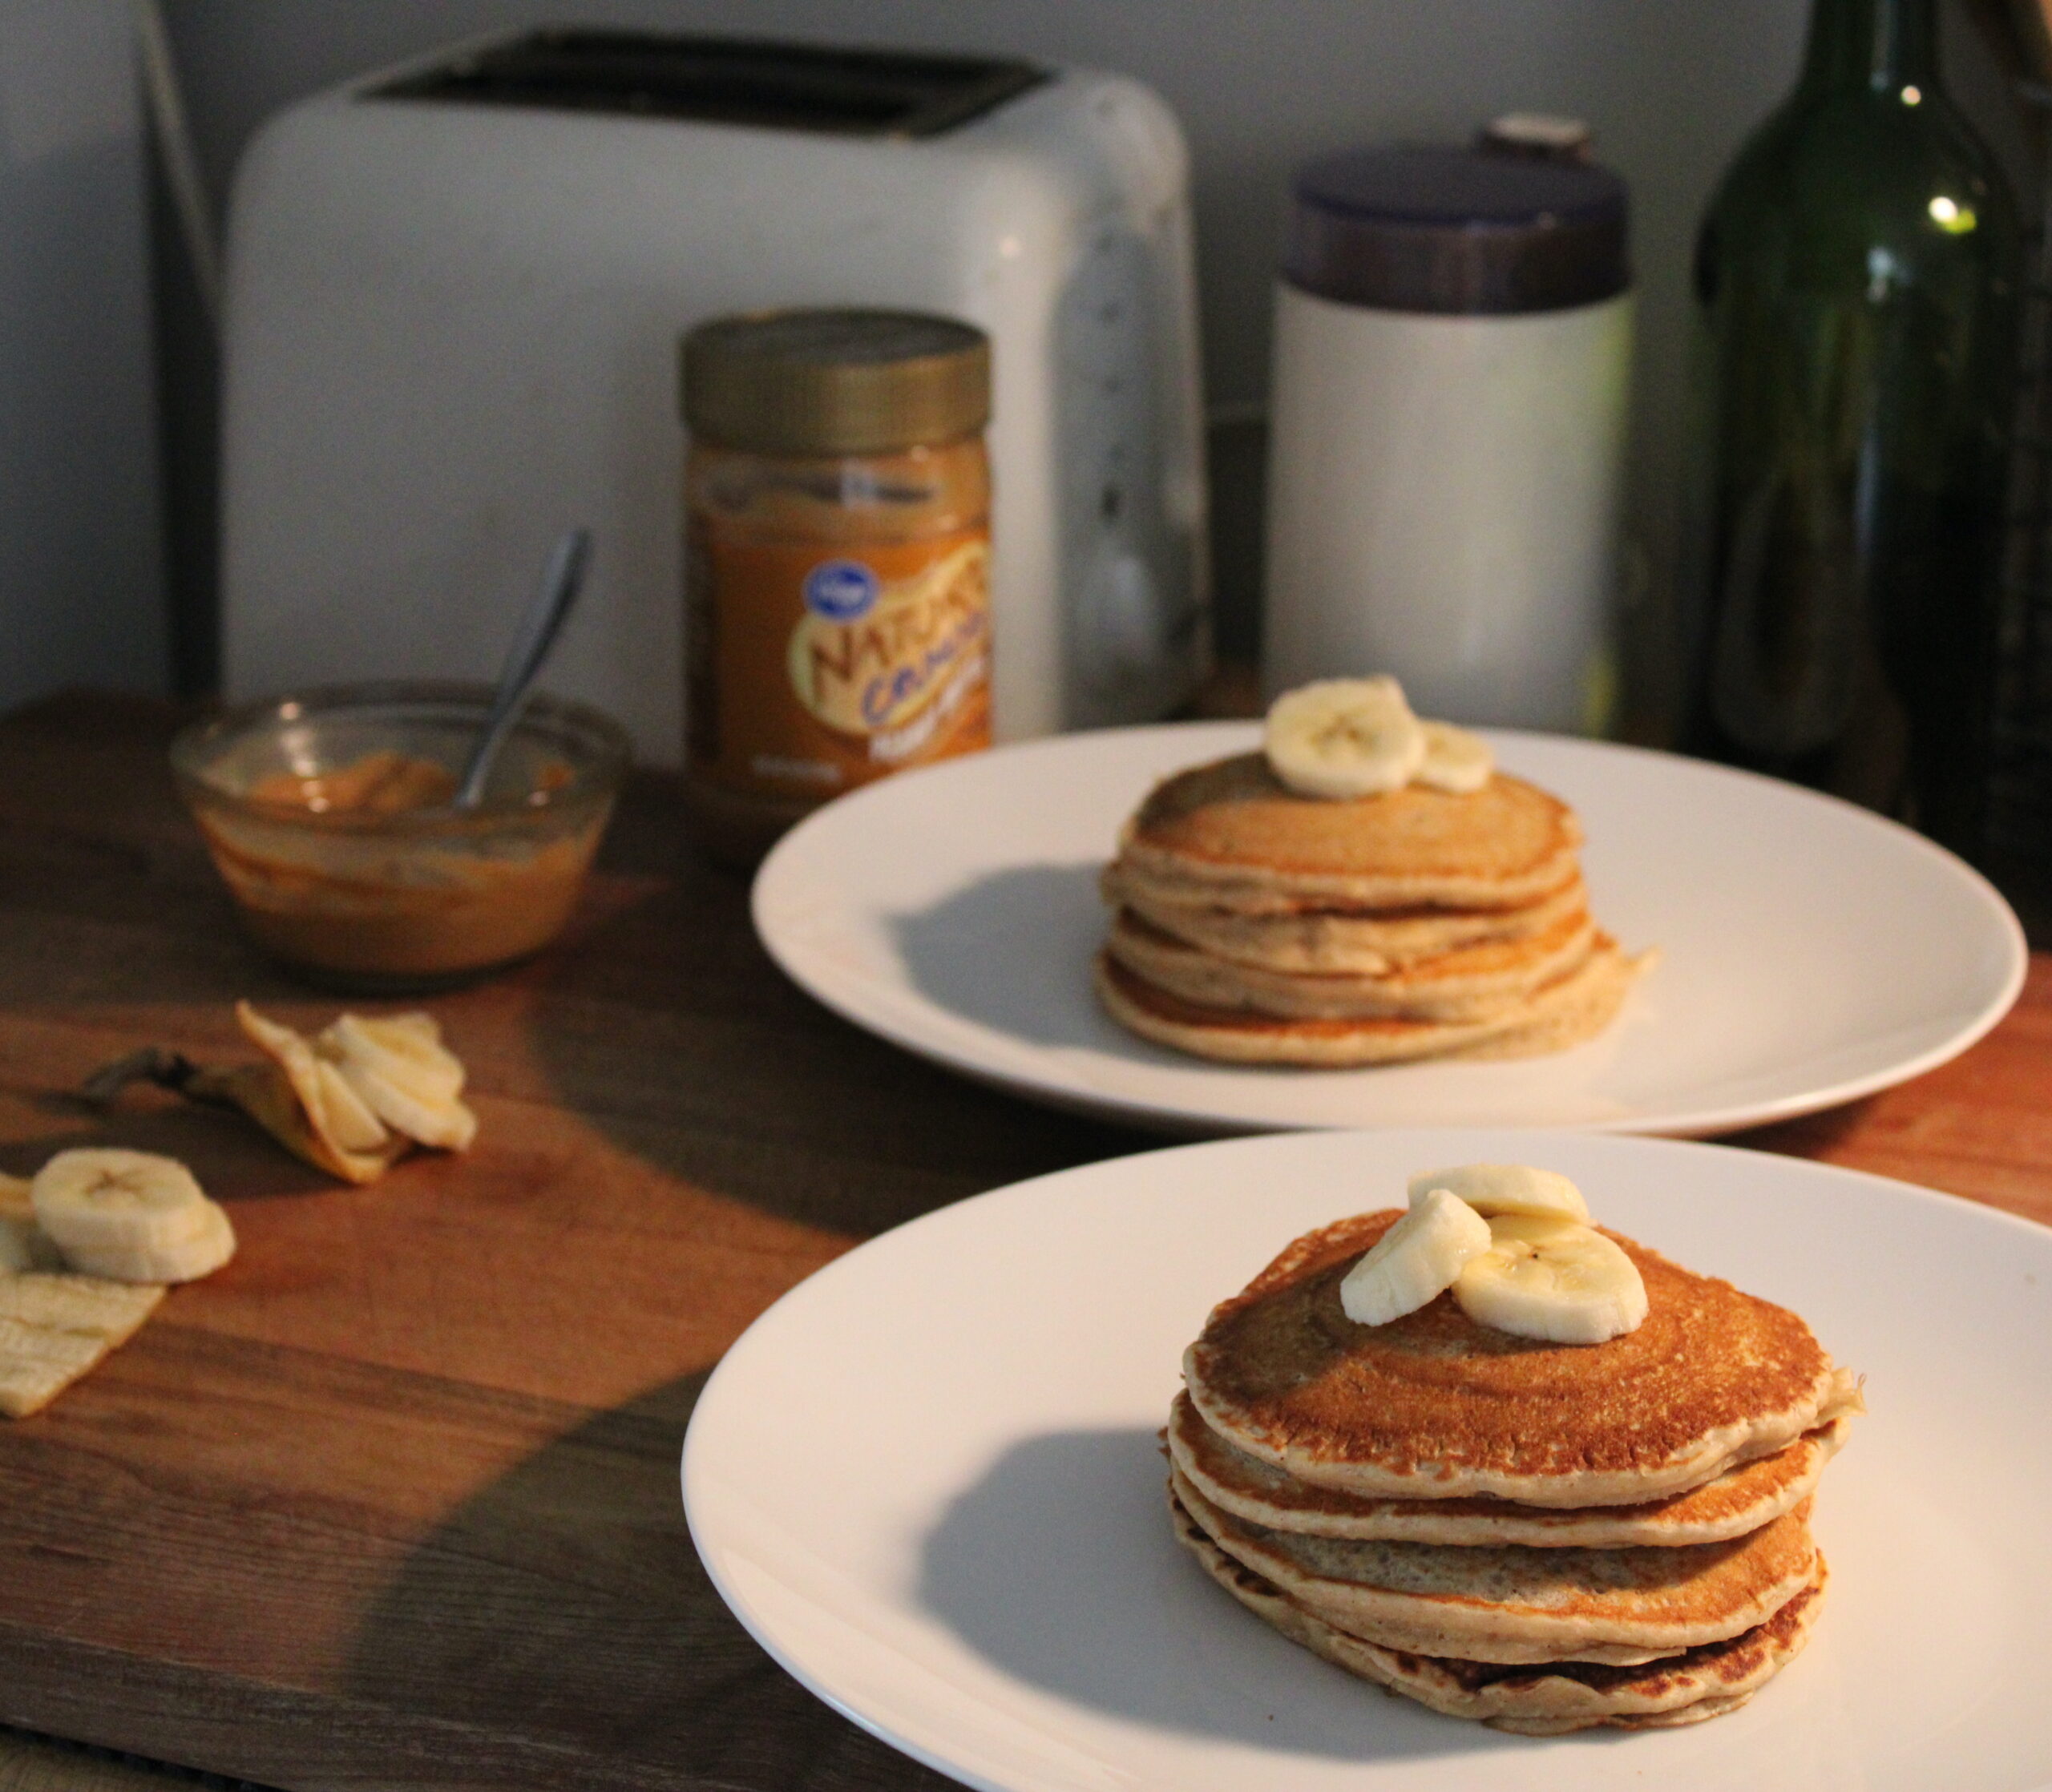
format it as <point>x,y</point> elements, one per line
<point>662,1022</point>
<point>562,1614</point>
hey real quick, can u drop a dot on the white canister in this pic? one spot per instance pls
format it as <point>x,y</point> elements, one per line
<point>1452,362</point>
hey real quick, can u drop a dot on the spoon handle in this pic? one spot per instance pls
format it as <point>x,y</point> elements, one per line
<point>561,581</point>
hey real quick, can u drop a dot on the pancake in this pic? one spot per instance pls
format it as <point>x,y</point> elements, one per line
<point>1574,1007</point>
<point>1323,940</point>
<point>1507,1602</point>
<point>1572,1011</point>
<point>1740,1500</point>
<point>1434,1406</point>
<point>1232,832</point>
<point>1471,982</point>
<point>1699,1683</point>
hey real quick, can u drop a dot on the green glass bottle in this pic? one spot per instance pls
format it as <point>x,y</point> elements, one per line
<point>1856,280</point>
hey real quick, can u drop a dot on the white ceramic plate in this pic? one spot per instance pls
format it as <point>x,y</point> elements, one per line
<point>926,1480</point>
<point>1811,952</point>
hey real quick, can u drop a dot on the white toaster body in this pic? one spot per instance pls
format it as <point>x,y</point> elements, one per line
<point>452,332</point>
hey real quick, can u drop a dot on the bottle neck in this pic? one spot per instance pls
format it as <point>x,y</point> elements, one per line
<point>1872,46</point>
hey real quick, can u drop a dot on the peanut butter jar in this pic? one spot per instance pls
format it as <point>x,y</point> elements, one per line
<point>836,554</point>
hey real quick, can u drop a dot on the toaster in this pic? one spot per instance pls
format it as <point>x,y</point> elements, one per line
<point>454,295</point>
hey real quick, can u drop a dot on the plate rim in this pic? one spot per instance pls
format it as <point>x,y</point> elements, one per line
<point>1969,1211</point>
<point>1185,1119</point>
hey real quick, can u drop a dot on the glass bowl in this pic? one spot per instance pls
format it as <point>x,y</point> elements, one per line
<point>327,813</point>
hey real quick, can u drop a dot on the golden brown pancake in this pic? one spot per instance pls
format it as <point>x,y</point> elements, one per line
<point>1232,832</point>
<point>1434,1406</point>
<point>1701,1682</point>
<point>1471,982</point>
<point>1739,1500</point>
<point>1316,939</point>
<point>1574,1007</point>
<point>1511,1603</point>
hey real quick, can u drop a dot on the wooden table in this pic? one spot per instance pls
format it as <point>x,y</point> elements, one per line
<point>393,1500</point>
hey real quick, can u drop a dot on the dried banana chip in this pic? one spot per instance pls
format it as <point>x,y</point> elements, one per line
<point>341,1135</point>
<point>37,1364</point>
<point>54,1328</point>
<point>351,1101</point>
<point>91,1304</point>
<point>267,1093</point>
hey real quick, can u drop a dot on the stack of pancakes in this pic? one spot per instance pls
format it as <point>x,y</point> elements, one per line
<point>1546,1537</point>
<point>1257,926</point>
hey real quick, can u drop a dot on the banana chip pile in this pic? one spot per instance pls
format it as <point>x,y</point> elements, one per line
<point>86,1250</point>
<point>352,1100</point>
<point>88,1246</point>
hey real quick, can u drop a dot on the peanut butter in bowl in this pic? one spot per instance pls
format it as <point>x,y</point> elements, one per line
<point>329,818</point>
<point>381,783</point>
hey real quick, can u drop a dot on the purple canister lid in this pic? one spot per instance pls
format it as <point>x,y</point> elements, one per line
<point>1419,226</point>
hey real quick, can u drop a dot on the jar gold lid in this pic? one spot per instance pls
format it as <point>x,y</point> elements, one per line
<point>835,382</point>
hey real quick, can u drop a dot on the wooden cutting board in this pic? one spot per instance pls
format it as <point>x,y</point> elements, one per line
<point>393,1500</point>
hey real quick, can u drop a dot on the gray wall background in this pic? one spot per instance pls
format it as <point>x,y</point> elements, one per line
<point>81,597</point>
<point>1671,87</point>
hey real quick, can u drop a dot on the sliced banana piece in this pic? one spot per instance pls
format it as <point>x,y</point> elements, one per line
<point>447,1124</point>
<point>352,1123</point>
<point>1552,1280</point>
<point>1417,1260</point>
<point>1455,760</point>
<point>97,1199</point>
<point>1494,1188</point>
<point>405,1051</point>
<point>186,1259</point>
<point>404,1075</point>
<point>1341,737</point>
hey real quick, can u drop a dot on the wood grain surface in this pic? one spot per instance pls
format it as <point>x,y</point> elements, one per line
<point>392,1501</point>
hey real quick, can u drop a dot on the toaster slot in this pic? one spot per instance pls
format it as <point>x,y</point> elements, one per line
<point>773,85</point>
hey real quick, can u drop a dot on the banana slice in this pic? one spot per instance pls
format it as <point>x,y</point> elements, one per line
<point>1343,737</point>
<point>404,1075</point>
<point>1494,1188</point>
<point>1414,1260</point>
<point>447,1124</point>
<point>354,1123</point>
<point>197,1253</point>
<point>404,1052</point>
<point>1455,760</point>
<point>1552,1280</point>
<point>110,1200</point>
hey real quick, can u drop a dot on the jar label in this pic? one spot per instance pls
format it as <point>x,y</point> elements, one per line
<point>814,671</point>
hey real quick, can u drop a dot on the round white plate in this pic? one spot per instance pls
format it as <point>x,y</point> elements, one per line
<point>927,1482</point>
<point>1811,952</point>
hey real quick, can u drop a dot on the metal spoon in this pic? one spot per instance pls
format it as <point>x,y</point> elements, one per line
<point>562,580</point>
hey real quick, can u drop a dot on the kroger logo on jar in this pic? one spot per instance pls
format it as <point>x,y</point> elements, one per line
<point>840,590</point>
